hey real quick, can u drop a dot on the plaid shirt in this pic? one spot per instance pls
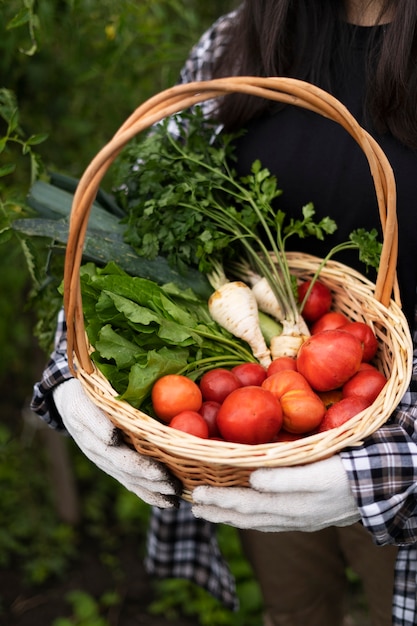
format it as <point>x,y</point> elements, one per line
<point>382,472</point>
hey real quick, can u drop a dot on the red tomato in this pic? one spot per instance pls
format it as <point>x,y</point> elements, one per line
<point>329,358</point>
<point>302,411</point>
<point>218,383</point>
<point>250,415</point>
<point>366,335</point>
<point>249,373</point>
<point>190,422</point>
<point>330,397</point>
<point>342,411</point>
<point>174,393</point>
<point>209,410</point>
<point>318,302</point>
<point>367,383</point>
<point>366,366</point>
<point>284,381</point>
<point>281,363</point>
<point>329,321</point>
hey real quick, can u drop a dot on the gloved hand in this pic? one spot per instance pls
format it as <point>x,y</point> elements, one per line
<point>305,498</point>
<point>101,442</point>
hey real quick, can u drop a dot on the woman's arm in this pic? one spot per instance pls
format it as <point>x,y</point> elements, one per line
<point>55,373</point>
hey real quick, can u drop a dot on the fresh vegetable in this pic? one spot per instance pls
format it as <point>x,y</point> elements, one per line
<point>282,363</point>
<point>249,373</point>
<point>218,383</point>
<point>365,366</point>
<point>141,331</point>
<point>302,411</point>
<point>172,394</point>
<point>233,306</point>
<point>287,344</point>
<point>105,238</point>
<point>315,300</point>
<point>341,412</point>
<point>303,408</point>
<point>192,423</point>
<point>366,336</point>
<point>329,358</point>
<point>269,327</point>
<point>250,415</point>
<point>330,397</point>
<point>329,321</point>
<point>261,288</point>
<point>286,380</point>
<point>367,383</point>
<point>208,411</point>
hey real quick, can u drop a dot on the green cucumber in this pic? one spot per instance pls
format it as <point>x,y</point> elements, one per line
<point>103,246</point>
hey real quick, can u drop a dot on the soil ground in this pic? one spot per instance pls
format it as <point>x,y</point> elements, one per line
<point>26,607</point>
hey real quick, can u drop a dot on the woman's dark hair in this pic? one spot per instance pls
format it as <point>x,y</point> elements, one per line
<point>296,38</point>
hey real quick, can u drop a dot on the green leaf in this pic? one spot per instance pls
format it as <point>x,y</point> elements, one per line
<point>368,245</point>
<point>13,121</point>
<point>7,169</point>
<point>21,18</point>
<point>35,140</point>
<point>8,104</point>
<point>114,347</point>
<point>143,376</point>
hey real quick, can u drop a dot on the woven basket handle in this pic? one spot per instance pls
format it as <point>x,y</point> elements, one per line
<point>181,97</point>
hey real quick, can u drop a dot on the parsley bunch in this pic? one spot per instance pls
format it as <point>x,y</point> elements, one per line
<point>185,202</point>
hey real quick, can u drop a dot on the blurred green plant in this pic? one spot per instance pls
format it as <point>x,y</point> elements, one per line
<point>17,152</point>
<point>87,610</point>
<point>32,538</point>
<point>72,71</point>
<point>96,61</point>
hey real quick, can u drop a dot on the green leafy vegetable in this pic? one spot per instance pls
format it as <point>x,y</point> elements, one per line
<point>141,331</point>
<point>185,201</point>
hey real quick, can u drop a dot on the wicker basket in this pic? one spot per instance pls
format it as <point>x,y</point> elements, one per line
<point>197,461</point>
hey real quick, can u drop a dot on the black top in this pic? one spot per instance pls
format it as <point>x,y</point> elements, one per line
<point>316,160</point>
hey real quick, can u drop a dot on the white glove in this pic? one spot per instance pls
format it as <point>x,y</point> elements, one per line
<point>305,498</point>
<point>101,442</point>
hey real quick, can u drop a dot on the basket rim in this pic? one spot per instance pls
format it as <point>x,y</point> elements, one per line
<point>179,97</point>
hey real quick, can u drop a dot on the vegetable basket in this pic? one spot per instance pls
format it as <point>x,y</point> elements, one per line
<point>200,461</point>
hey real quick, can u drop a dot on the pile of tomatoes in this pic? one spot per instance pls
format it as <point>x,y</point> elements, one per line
<point>329,381</point>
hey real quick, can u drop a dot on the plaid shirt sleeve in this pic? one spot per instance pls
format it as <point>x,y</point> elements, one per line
<point>202,57</point>
<point>55,372</point>
<point>383,473</point>
<point>181,546</point>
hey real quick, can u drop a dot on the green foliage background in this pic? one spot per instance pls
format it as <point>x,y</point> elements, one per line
<point>71,71</point>
<point>93,63</point>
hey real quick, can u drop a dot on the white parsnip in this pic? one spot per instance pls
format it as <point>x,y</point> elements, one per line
<point>233,306</point>
<point>264,294</point>
<point>267,300</point>
<point>290,340</point>
<point>286,345</point>
<point>294,332</point>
